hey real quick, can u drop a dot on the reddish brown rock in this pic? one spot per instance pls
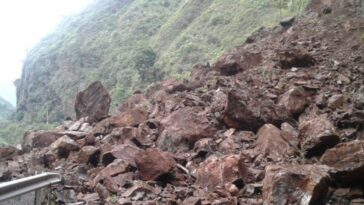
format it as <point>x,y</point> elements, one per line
<point>113,184</point>
<point>295,58</point>
<point>348,160</point>
<point>129,118</point>
<point>89,155</point>
<point>271,143</point>
<point>49,159</point>
<point>64,146</point>
<point>8,152</point>
<point>317,134</point>
<point>359,98</point>
<point>66,143</point>
<point>102,191</point>
<point>290,134</point>
<point>117,167</point>
<point>295,184</point>
<point>246,110</point>
<point>126,152</point>
<point>183,128</point>
<point>232,64</point>
<point>93,102</point>
<point>335,101</point>
<point>215,171</point>
<point>39,139</point>
<point>136,101</point>
<point>153,163</point>
<point>121,135</point>
<point>138,188</point>
<point>294,100</point>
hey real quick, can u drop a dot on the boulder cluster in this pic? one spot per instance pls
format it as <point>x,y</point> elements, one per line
<point>278,120</point>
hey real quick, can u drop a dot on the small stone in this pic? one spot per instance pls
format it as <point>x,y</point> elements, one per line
<point>336,101</point>
<point>102,191</point>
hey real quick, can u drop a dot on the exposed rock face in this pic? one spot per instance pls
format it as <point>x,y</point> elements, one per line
<point>94,102</point>
<point>295,184</point>
<point>348,160</point>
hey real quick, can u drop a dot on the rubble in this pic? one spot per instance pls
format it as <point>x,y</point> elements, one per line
<point>268,123</point>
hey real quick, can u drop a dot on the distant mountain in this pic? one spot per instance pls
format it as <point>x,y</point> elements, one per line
<point>6,109</point>
<point>128,44</point>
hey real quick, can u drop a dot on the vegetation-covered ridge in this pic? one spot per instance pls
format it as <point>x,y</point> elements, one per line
<point>130,44</point>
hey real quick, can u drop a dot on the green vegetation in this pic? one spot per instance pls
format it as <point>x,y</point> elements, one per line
<point>362,38</point>
<point>129,44</point>
<point>11,132</point>
<point>5,110</point>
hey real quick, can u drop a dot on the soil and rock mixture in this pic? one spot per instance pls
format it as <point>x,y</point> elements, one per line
<point>278,120</point>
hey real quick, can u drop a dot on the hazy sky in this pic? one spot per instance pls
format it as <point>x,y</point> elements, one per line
<point>22,24</point>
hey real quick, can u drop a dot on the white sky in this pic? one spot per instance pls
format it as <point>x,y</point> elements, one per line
<point>22,24</point>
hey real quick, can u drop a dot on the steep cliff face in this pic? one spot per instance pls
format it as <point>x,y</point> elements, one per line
<point>129,44</point>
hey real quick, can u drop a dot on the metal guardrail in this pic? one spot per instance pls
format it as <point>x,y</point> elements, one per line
<point>22,186</point>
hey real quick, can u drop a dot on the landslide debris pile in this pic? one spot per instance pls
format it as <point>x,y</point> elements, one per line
<point>278,120</point>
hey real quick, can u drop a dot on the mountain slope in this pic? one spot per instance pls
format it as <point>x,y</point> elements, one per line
<point>5,109</point>
<point>129,44</point>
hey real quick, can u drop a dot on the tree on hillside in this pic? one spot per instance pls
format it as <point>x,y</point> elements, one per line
<point>144,62</point>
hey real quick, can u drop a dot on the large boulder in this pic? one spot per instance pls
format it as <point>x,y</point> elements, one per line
<point>89,155</point>
<point>126,152</point>
<point>295,184</point>
<point>233,63</point>
<point>220,171</point>
<point>129,118</point>
<point>317,134</point>
<point>39,139</point>
<point>93,102</point>
<point>271,143</point>
<point>8,152</point>
<point>153,163</point>
<point>136,101</point>
<point>348,160</point>
<point>183,128</point>
<point>64,145</point>
<point>246,110</point>
<point>294,100</point>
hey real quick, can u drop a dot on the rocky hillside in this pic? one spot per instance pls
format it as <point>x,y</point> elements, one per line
<point>128,44</point>
<point>278,120</point>
<point>5,109</point>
